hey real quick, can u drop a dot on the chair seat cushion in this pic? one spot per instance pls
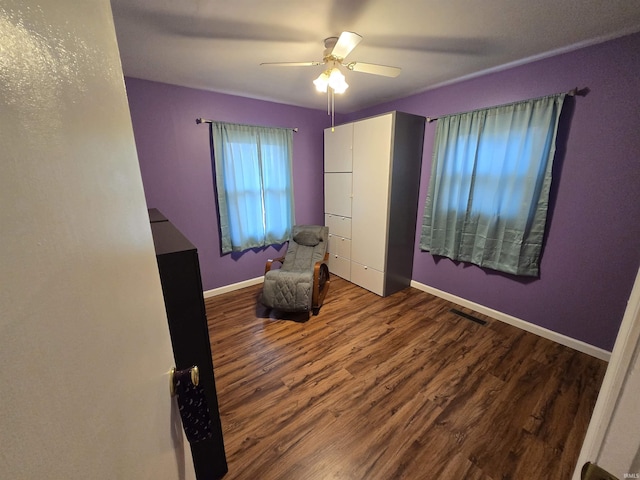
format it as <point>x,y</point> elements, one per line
<point>288,290</point>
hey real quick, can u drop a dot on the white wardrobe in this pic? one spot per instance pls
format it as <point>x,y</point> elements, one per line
<point>371,182</point>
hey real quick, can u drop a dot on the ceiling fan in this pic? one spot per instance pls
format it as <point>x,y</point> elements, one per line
<point>336,50</point>
<point>331,80</point>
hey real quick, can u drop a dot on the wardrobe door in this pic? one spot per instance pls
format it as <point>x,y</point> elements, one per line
<point>370,203</point>
<point>337,148</point>
<point>337,194</point>
<point>337,197</point>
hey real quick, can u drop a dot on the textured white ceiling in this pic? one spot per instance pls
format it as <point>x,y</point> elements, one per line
<point>219,44</point>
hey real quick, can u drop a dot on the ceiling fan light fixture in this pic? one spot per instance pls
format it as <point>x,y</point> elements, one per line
<point>337,81</point>
<point>322,82</point>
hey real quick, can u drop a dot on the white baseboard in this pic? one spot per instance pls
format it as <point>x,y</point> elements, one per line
<point>233,286</point>
<point>516,322</point>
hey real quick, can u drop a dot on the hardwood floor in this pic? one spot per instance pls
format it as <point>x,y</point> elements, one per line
<point>396,387</point>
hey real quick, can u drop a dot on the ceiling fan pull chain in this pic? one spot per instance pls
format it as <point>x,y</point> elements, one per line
<point>333,111</point>
<point>328,101</point>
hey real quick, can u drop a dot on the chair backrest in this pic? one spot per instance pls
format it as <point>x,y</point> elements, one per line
<point>308,245</point>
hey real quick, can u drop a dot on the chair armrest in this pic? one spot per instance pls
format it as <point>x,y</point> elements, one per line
<point>316,267</point>
<point>319,291</point>
<point>267,267</point>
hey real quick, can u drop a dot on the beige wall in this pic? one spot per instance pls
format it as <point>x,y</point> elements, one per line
<point>620,452</point>
<point>84,347</point>
<point>613,437</point>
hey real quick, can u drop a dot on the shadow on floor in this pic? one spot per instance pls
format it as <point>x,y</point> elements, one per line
<point>265,312</point>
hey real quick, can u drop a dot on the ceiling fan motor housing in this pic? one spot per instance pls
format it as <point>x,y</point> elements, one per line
<point>329,43</point>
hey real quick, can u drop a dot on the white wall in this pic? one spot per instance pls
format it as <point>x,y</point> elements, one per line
<point>84,344</point>
<point>612,440</point>
<point>620,450</point>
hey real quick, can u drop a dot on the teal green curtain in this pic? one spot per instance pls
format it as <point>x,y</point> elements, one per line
<point>254,184</point>
<point>489,187</point>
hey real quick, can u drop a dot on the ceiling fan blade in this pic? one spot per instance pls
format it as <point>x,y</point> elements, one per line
<point>347,42</point>
<point>374,69</point>
<point>291,64</point>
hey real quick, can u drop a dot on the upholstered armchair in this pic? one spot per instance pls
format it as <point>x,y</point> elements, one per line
<point>302,281</point>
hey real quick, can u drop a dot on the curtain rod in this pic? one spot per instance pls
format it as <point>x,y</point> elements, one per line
<point>204,120</point>
<point>580,92</point>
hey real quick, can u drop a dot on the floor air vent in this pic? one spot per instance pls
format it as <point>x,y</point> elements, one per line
<point>468,317</point>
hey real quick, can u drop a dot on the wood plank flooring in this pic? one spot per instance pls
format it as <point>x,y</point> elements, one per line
<point>389,388</point>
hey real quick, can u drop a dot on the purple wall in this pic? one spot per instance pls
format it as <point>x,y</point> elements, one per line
<point>592,251</point>
<point>175,161</point>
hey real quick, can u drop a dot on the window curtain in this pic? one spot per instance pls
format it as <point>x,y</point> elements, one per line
<point>254,184</point>
<point>489,188</point>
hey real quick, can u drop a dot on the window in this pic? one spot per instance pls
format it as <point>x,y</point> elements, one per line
<point>254,184</point>
<point>489,186</point>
